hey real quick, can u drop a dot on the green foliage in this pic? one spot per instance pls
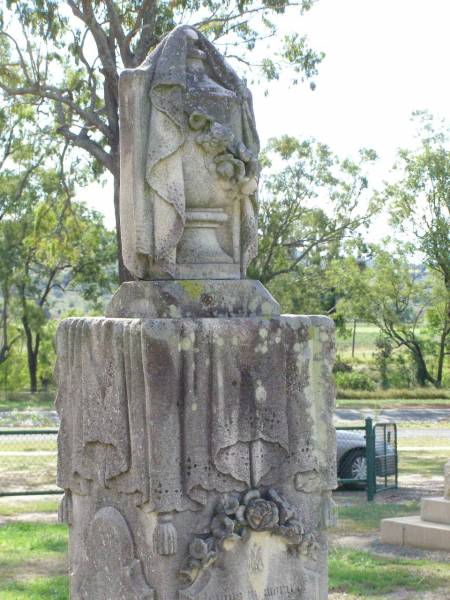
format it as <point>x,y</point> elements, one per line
<point>382,356</point>
<point>392,295</point>
<point>420,200</point>
<point>50,60</point>
<point>48,243</point>
<point>310,204</point>
<point>354,380</point>
<point>64,58</point>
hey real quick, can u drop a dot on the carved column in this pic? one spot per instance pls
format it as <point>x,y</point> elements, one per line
<point>197,453</point>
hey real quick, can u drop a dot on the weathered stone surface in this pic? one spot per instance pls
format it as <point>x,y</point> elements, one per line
<point>111,571</point>
<point>189,166</point>
<point>192,299</point>
<point>163,419</point>
<point>260,568</point>
<point>196,447</point>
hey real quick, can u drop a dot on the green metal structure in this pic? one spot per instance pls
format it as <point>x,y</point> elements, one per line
<point>381,457</point>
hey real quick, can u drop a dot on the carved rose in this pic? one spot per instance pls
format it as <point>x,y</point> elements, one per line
<point>287,511</point>
<point>198,549</point>
<point>262,514</point>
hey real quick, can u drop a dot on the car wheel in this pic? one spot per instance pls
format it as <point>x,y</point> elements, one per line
<point>354,465</point>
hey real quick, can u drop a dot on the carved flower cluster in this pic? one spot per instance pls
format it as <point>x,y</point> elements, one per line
<point>231,156</point>
<point>234,518</point>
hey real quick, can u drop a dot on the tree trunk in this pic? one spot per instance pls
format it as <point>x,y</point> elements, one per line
<point>354,338</point>
<point>32,356</point>
<point>441,357</point>
<point>423,375</point>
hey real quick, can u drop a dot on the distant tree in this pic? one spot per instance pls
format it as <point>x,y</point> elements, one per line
<point>53,246</point>
<point>311,204</point>
<point>407,305</point>
<point>66,55</point>
<point>420,207</point>
<point>47,240</point>
<point>420,199</point>
<point>21,154</point>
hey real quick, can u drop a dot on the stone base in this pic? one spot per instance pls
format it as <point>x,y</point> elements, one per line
<point>412,531</point>
<point>436,510</point>
<point>197,454</point>
<point>192,299</point>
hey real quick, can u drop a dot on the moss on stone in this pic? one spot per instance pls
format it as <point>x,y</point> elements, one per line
<point>193,288</point>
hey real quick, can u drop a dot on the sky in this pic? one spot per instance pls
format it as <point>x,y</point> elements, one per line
<point>384,59</point>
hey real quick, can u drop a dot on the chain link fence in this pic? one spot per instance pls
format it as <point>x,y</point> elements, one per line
<point>367,456</point>
<point>28,462</point>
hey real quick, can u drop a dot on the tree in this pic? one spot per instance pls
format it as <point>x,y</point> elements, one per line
<point>420,206</point>
<point>420,199</point>
<point>47,242</point>
<point>310,206</point>
<point>21,154</point>
<point>57,247</point>
<point>407,305</point>
<point>68,55</point>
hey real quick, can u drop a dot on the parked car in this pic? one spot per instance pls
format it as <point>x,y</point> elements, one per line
<point>351,456</point>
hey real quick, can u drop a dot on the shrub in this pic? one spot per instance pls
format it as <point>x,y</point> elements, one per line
<point>354,381</point>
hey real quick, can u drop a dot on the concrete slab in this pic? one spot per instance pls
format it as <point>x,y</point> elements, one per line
<point>412,531</point>
<point>436,510</point>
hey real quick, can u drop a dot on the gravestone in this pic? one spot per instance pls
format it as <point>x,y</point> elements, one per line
<point>196,448</point>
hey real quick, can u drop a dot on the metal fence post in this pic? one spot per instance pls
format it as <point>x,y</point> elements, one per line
<point>370,459</point>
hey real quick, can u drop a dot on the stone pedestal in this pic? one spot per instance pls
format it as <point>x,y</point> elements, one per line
<point>197,448</point>
<point>429,530</point>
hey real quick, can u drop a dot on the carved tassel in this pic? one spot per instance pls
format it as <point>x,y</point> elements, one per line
<point>165,536</point>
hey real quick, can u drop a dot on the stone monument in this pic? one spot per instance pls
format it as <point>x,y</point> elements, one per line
<point>197,447</point>
<point>430,529</point>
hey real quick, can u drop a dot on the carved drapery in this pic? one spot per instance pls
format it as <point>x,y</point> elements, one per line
<point>171,409</point>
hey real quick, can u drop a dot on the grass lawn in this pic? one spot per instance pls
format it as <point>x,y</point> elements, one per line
<point>364,340</point>
<point>365,518</point>
<point>364,575</point>
<point>425,462</point>
<point>33,561</point>
<point>383,403</point>
<point>27,471</point>
<point>12,506</point>
<point>370,576</point>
